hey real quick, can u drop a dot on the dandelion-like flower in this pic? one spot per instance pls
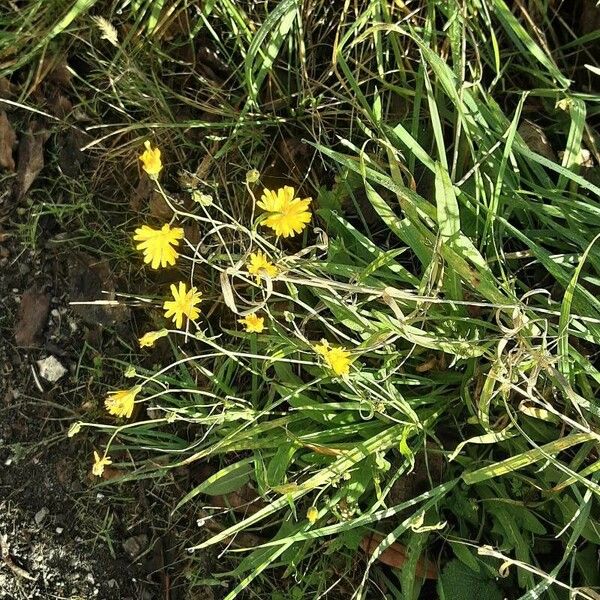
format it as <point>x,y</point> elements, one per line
<point>259,264</point>
<point>151,162</point>
<point>288,215</point>
<point>148,339</point>
<point>312,514</point>
<point>99,463</point>
<point>120,403</point>
<point>337,358</point>
<point>157,244</point>
<point>253,323</point>
<point>183,303</point>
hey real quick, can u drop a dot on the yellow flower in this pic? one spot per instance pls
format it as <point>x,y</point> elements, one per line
<point>99,464</point>
<point>259,265</point>
<point>312,514</point>
<point>151,162</point>
<point>253,323</point>
<point>120,403</point>
<point>148,339</point>
<point>157,244</point>
<point>287,215</point>
<point>183,303</point>
<point>337,358</point>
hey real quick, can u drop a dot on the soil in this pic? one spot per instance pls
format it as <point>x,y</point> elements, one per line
<point>47,499</point>
<point>65,534</point>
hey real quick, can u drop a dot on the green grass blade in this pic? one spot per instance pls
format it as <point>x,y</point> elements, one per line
<point>525,459</point>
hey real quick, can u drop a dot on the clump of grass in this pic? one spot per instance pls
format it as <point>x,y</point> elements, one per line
<point>450,254</point>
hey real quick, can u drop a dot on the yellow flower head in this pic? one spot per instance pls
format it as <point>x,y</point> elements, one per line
<point>148,339</point>
<point>151,162</point>
<point>253,323</point>
<point>287,215</point>
<point>100,463</point>
<point>120,403</point>
<point>312,514</point>
<point>259,265</point>
<point>157,244</point>
<point>183,303</point>
<point>337,358</point>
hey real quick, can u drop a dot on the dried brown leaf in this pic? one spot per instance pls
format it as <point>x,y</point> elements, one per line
<point>245,500</point>
<point>31,158</point>
<point>396,556</point>
<point>8,138</point>
<point>159,208</point>
<point>7,89</point>
<point>143,191</point>
<point>32,317</point>
<point>92,283</point>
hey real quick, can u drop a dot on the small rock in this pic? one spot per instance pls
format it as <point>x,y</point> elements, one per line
<point>51,369</point>
<point>40,515</point>
<point>135,545</point>
<point>535,138</point>
<point>59,530</point>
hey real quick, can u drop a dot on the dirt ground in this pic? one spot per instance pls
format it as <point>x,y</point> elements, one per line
<point>62,533</point>
<point>48,505</point>
<point>65,534</point>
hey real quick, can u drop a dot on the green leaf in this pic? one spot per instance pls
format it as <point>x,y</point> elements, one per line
<point>565,311</point>
<point>280,462</point>
<point>227,480</point>
<point>458,582</point>
<point>448,217</point>
<point>526,458</point>
<point>466,556</point>
<point>266,44</point>
<point>523,40</point>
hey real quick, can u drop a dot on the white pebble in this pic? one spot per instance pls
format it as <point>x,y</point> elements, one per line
<point>51,369</point>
